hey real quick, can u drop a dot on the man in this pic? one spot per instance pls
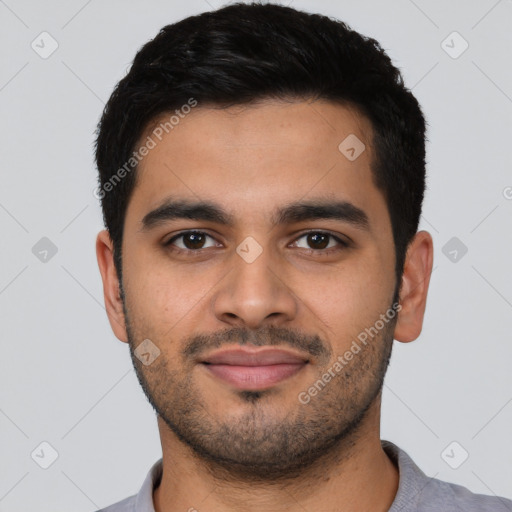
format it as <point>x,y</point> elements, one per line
<point>262,172</point>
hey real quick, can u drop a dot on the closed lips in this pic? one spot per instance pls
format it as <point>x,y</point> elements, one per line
<point>263,358</point>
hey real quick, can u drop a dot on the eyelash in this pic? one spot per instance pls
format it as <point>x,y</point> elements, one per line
<point>318,252</point>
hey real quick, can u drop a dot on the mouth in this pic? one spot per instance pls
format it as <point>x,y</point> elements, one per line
<point>252,370</point>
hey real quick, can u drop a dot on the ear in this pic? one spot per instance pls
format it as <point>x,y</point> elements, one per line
<point>111,288</point>
<point>414,287</point>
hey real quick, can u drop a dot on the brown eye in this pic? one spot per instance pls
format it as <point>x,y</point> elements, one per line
<point>191,240</point>
<point>318,240</point>
<point>321,241</point>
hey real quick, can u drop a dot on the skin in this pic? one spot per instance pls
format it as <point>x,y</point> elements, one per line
<point>226,449</point>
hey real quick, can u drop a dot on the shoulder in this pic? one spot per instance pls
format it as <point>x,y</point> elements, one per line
<point>143,501</point>
<point>126,505</point>
<point>438,495</point>
<point>419,493</point>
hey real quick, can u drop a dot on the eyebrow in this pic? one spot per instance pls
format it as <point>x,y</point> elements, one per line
<point>172,209</point>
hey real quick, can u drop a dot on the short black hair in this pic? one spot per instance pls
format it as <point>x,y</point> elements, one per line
<point>244,53</point>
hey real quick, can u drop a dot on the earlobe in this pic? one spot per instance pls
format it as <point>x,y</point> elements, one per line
<point>414,287</point>
<point>111,287</point>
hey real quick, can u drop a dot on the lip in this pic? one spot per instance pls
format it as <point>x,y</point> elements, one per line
<point>248,357</point>
<point>253,370</point>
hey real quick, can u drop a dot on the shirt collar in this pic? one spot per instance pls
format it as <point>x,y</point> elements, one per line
<point>412,481</point>
<point>144,500</point>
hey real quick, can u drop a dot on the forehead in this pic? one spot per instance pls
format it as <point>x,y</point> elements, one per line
<point>257,156</point>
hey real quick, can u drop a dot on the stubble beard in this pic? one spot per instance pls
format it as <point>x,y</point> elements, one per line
<point>262,444</point>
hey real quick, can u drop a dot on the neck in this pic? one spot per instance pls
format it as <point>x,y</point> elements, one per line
<point>357,476</point>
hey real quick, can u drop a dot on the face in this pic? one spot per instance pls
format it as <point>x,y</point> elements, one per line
<point>281,241</point>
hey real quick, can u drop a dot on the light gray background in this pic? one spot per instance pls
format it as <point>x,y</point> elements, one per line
<point>65,378</point>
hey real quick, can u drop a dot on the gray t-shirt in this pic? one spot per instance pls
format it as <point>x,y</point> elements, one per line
<point>416,491</point>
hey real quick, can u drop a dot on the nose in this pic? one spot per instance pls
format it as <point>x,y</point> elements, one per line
<point>255,293</point>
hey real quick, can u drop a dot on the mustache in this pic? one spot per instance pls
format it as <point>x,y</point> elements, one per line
<point>267,336</point>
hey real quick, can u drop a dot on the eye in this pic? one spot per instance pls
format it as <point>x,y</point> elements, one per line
<point>191,241</point>
<point>321,241</point>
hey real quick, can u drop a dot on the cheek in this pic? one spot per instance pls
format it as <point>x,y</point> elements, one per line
<point>163,293</point>
<point>350,298</point>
